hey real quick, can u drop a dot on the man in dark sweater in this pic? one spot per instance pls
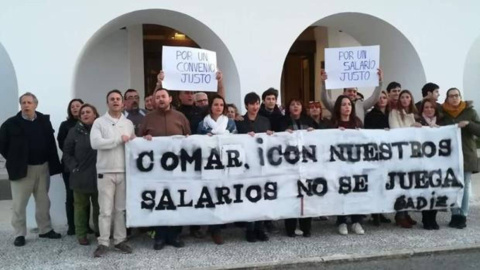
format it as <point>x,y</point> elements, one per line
<point>132,108</point>
<point>254,123</point>
<point>28,145</point>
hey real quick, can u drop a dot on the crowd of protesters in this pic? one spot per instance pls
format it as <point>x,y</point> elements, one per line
<point>93,159</point>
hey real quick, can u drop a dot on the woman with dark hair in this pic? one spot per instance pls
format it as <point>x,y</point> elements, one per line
<point>344,117</point>
<point>217,123</point>
<point>72,117</point>
<point>462,113</point>
<point>80,160</point>
<point>429,117</point>
<point>404,114</point>
<point>296,119</point>
<point>377,118</point>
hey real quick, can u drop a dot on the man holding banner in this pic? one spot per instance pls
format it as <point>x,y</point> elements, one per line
<point>165,122</point>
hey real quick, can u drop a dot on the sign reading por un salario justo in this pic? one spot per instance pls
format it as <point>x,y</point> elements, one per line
<point>221,179</point>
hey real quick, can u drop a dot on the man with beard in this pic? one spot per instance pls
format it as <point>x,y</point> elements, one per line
<point>187,105</point>
<point>194,115</point>
<point>164,121</point>
<point>132,109</point>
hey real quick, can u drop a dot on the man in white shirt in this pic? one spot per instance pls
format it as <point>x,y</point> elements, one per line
<point>109,134</point>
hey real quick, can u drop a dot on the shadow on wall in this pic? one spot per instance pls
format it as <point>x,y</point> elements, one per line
<point>103,63</point>
<point>8,86</point>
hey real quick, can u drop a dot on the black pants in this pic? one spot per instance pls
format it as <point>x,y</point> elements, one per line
<point>429,217</point>
<point>354,218</point>
<point>255,226</point>
<point>214,229</point>
<point>291,225</point>
<point>69,202</point>
<point>167,233</point>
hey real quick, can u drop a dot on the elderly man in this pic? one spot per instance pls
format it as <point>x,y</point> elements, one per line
<point>28,145</point>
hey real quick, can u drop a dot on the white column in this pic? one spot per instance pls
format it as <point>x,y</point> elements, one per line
<point>135,57</point>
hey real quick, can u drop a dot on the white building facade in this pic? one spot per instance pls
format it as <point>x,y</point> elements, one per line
<point>61,50</point>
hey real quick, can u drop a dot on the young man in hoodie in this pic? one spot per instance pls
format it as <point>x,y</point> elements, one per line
<point>108,136</point>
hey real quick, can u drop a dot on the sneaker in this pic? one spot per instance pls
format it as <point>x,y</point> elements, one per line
<point>100,251</point>
<point>342,229</point>
<point>50,235</point>
<point>357,228</point>
<point>124,247</point>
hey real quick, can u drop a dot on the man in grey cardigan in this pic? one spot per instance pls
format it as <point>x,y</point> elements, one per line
<point>361,106</point>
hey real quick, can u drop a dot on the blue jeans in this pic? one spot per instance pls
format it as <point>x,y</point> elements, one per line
<point>463,210</point>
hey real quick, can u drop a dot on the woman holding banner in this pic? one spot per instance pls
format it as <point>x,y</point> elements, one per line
<point>429,117</point>
<point>217,123</point>
<point>296,119</point>
<point>404,114</point>
<point>457,111</point>
<point>80,160</point>
<point>377,118</point>
<point>344,117</point>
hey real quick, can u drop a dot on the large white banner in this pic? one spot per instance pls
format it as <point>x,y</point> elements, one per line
<point>222,179</point>
<point>352,66</point>
<point>189,69</point>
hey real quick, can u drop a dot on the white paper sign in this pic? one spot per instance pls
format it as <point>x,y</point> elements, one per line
<point>189,69</point>
<point>221,179</point>
<point>352,66</point>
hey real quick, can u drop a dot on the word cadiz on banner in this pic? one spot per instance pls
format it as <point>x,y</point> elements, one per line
<point>199,180</point>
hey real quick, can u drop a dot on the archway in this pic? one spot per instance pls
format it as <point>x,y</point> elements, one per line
<point>105,63</point>
<point>398,58</point>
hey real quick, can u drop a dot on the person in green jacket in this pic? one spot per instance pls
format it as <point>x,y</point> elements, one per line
<point>457,111</point>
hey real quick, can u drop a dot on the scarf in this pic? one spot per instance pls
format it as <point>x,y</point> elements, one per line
<point>454,111</point>
<point>217,127</point>
<point>430,121</point>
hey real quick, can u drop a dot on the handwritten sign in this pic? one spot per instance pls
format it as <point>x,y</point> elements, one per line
<point>221,179</point>
<point>189,69</point>
<point>352,67</point>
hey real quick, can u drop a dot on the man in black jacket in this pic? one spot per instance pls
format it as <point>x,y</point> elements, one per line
<point>28,145</point>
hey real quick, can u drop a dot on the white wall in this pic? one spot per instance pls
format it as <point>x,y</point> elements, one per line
<point>8,87</point>
<point>105,66</point>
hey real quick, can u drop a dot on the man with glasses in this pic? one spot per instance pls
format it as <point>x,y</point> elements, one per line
<point>132,109</point>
